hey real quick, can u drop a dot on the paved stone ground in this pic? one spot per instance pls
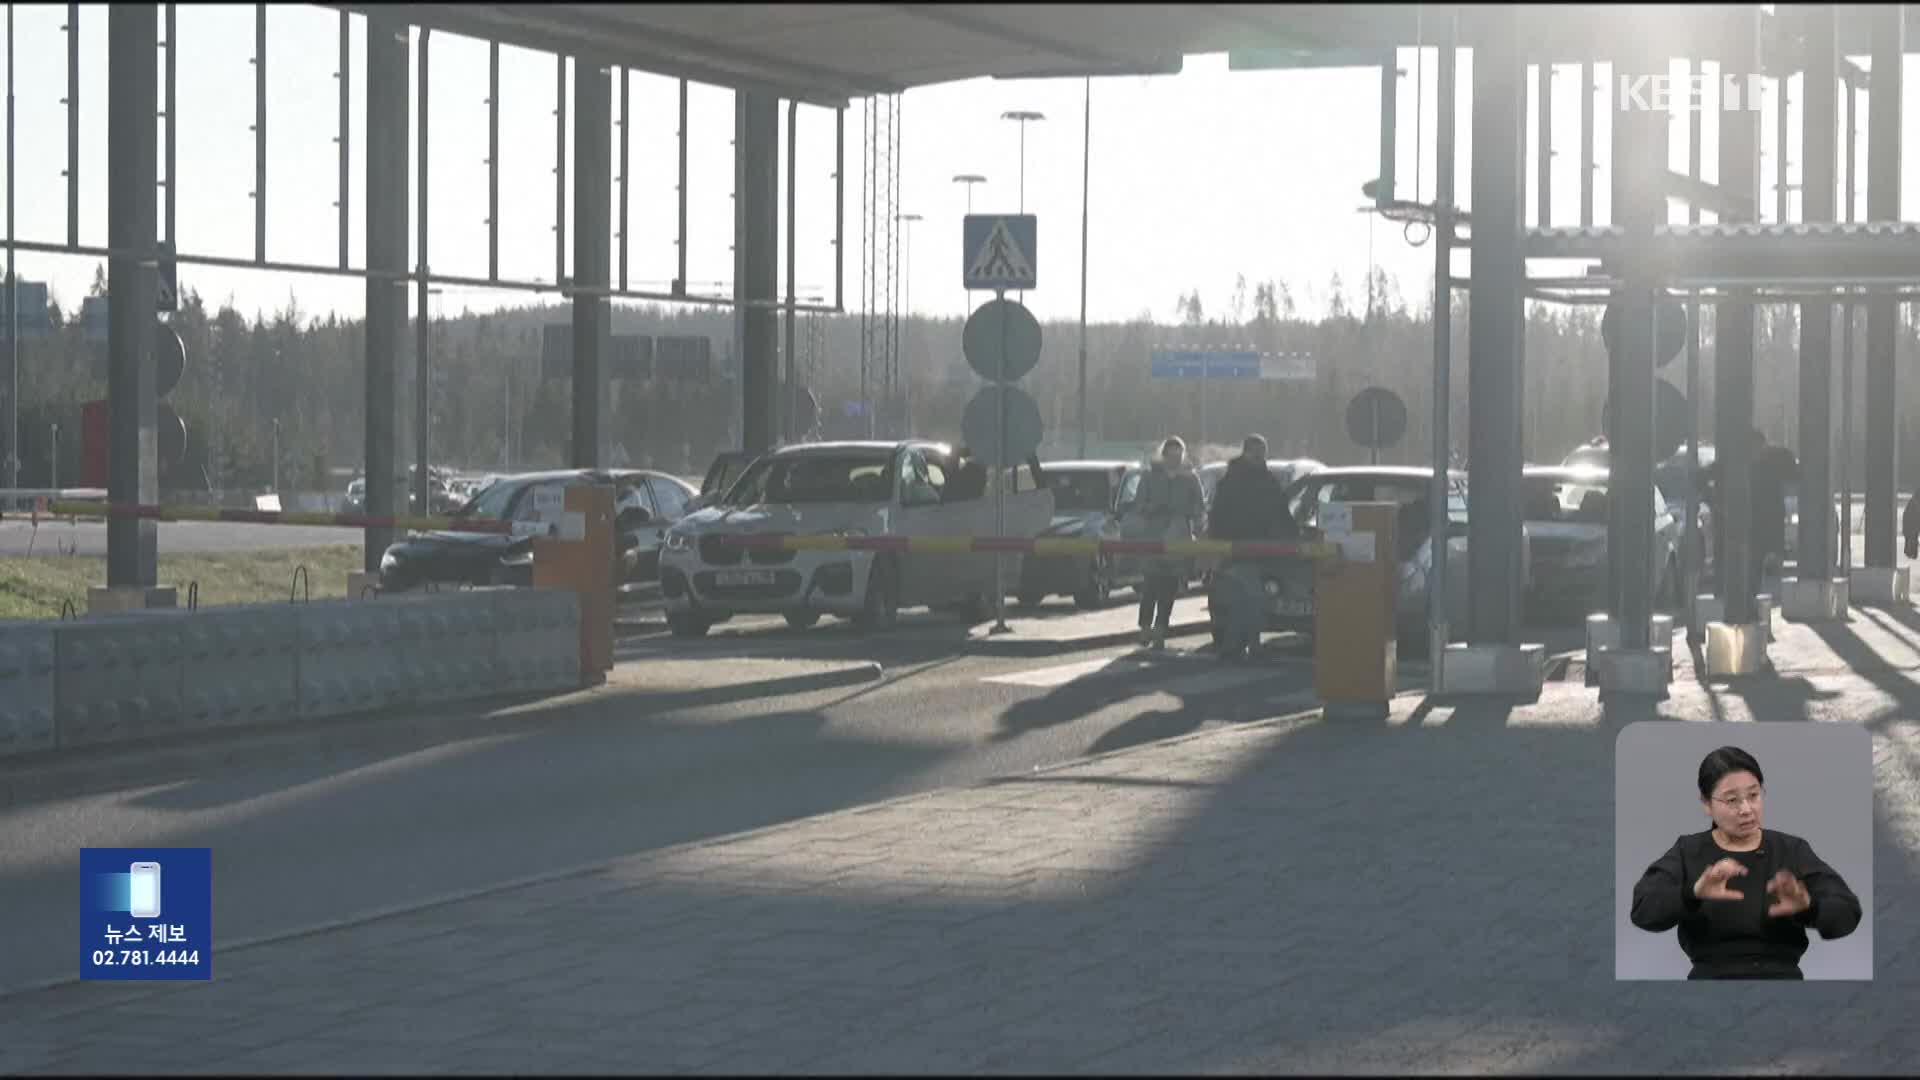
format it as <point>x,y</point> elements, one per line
<point>1432,894</point>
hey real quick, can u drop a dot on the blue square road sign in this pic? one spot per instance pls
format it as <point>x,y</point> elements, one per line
<point>1000,252</point>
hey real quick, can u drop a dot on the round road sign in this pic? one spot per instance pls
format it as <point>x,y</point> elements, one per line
<point>1001,341</point>
<point>1671,318</point>
<point>1376,418</point>
<point>169,359</point>
<point>1671,419</point>
<point>980,425</point>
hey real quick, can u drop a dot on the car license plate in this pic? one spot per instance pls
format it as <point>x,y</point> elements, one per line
<point>728,578</point>
<point>1291,606</point>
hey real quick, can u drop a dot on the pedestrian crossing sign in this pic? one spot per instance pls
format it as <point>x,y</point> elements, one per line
<point>1000,252</point>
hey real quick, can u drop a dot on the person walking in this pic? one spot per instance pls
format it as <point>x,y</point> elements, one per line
<point>1247,506</point>
<point>1170,508</point>
<point>1772,470</point>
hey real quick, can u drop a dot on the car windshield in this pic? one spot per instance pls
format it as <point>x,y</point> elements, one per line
<point>813,478</point>
<point>492,502</point>
<point>1080,490</point>
<point>1305,502</point>
<point>1564,499</point>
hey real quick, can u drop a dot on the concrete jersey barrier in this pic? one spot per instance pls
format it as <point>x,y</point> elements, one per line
<point>160,673</point>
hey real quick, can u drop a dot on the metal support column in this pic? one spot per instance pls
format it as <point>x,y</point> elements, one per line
<point>423,317</point>
<point>789,389</point>
<point>592,198</point>
<point>680,280</point>
<point>1818,146</point>
<point>1884,118</point>
<point>169,148</point>
<point>1690,510</point>
<point>346,66</point>
<point>1586,144</point>
<point>133,474</point>
<point>1639,167</point>
<point>1849,205</point>
<point>73,115</point>
<point>1447,104</point>
<point>493,160</point>
<point>756,252</point>
<point>1543,149</point>
<point>1495,340</point>
<point>260,133</point>
<point>1781,131</point>
<point>386,247</point>
<point>840,208</point>
<point>626,166</point>
<point>1733,333</point>
<point>560,169</point>
<point>1389,122</point>
<point>10,444</point>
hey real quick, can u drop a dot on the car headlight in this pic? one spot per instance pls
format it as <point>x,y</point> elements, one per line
<point>679,541</point>
<point>518,558</point>
<point>389,562</point>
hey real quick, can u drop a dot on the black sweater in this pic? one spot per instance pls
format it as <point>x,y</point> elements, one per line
<point>1736,938</point>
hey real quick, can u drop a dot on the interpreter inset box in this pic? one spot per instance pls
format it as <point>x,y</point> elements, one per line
<point>1743,851</point>
<point>146,914</point>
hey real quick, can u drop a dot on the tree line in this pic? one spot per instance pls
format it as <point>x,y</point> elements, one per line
<point>491,408</point>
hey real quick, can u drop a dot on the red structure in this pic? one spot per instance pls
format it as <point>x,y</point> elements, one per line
<point>93,436</point>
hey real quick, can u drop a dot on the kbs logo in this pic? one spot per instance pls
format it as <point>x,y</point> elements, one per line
<point>1660,93</point>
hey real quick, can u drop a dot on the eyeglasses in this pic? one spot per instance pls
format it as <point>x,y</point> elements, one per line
<point>1739,801</point>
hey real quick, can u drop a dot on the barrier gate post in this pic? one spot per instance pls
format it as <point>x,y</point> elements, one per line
<point>1355,654</point>
<point>579,557</point>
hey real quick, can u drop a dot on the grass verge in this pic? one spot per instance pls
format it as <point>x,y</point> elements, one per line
<point>34,588</point>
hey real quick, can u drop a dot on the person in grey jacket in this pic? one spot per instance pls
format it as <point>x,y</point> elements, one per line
<point>1170,507</point>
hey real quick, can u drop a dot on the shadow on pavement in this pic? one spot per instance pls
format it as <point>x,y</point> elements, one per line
<point>1315,897</point>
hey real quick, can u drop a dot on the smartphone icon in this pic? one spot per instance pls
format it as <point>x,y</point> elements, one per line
<point>144,896</point>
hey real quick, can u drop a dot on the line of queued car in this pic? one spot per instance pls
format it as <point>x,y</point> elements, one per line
<point>646,504</point>
<point>669,532</point>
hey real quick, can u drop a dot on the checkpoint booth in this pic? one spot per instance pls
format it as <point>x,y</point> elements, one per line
<point>1355,651</point>
<point>572,532</point>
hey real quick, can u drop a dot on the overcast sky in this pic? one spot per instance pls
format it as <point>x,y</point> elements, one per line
<point>1196,177</point>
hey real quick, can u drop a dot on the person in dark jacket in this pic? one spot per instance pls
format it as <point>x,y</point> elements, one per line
<point>1773,470</point>
<point>1246,503</point>
<point>1247,506</point>
<point>1742,896</point>
<point>1910,526</point>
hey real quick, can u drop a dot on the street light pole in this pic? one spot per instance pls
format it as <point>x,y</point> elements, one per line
<point>969,179</point>
<point>1023,117</point>
<point>906,304</point>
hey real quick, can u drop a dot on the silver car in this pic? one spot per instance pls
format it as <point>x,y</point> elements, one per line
<point>1289,583</point>
<point>1564,520</point>
<point>1087,504</point>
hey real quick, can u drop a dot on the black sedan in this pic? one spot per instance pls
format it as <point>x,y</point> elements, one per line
<point>647,503</point>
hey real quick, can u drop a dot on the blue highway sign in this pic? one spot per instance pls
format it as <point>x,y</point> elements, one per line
<point>1206,364</point>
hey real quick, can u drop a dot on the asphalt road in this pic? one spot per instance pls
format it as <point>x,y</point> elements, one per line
<point>89,538</point>
<point>349,831</point>
<point>676,751</point>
